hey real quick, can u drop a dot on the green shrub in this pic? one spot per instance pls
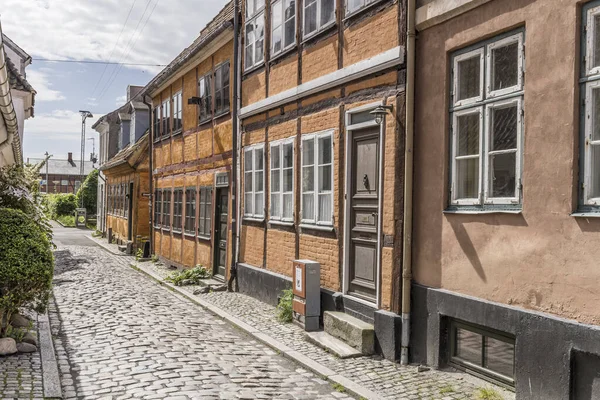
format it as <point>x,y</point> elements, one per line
<point>26,264</point>
<point>284,308</point>
<point>61,204</point>
<point>66,220</point>
<point>89,193</point>
<point>189,276</point>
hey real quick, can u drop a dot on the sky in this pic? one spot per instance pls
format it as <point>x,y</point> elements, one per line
<point>126,31</point>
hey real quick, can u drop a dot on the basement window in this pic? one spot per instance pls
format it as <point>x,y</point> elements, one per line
<point>486,353</point>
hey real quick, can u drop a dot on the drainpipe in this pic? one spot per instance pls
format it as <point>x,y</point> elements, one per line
<point>234,169</point>
<point>151,197</point>
<point>7,108</point>
<point>408,185</point>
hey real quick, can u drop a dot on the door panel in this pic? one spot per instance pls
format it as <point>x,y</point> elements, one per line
<point>364,206</point>
<point>220,262</point>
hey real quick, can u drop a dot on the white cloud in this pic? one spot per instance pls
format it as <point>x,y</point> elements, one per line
<point>58,124</point>
<point>92,101</point>
<point>39,81</point>
<point>119,101</point>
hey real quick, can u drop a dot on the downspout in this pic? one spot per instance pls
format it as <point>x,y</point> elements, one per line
<point>408,185</point>
<point>151,197</point>
<point>7,108</point>
<point>234,169</point>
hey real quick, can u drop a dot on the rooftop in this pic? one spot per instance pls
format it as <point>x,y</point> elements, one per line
<point>63,166</point>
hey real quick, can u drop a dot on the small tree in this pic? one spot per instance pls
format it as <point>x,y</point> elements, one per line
<point>89,192</point>
<point>61,204</point>
<point>26,265</point>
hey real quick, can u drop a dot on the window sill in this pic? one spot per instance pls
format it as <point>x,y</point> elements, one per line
<point>166,229</point>
<point>176,133</point>
<point>324,228</point>
<point>221,114</point>
<point>281,223</point>
<point>254,219</point>
<point>189,235</point>
<point>282,53</point>
<point>586,214</point>
<point>203,237</point>
<point>322,31</point>
<point>163,138</point>
<point>255,67</point>
<point>483,211</point>
<point>176,232</point>
<point>204,121</point>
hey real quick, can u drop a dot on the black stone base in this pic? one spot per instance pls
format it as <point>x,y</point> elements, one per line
<point>555,358</point>
<point>388,331</point>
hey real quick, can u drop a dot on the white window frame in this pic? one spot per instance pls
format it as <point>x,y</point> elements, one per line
<point>455,156</point>
<point>251,19</point>
<point>366,4</point>
<point>284,48</point>
<point>517,38</point>
<point>591,33</point>
<point>457,60</point>
<point>178,111</point>
<point>589,126</point>
<point>254,215</point>
<point>279,144</point>
<point>315,137</point>
<point>488,130</point>
<point>320,28</point>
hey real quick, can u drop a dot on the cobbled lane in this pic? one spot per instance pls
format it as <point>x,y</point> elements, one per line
<point>120,335</point>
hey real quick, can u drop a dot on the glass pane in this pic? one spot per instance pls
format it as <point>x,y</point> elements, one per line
<point>225,74</point>
<point>308,179</point>
<point>288,153</point>
<point>308,152</point>
<point>595,171</point>
<point>324,178</point>
<point>248,208</point>
<point>469,78</point>
<point>596,40</point>
<point>468,134</point>
<point>259,204</point>
<point>275,205</point>
<point>354,5</point>
<point>327,11</point>
<point>276,14</point>
<point>363,116</point>
<point>258,180</point>
<point>277,45</point>
<point>258,159</point>
<point>259,4</point>
<point>275,157</point>
<point>290,32</point>
<point>467,178</point>
<point>499,356</point>
<point>250,8</point>
<point>218,101</point>
<point>249,59</point>
<point>468,346</point>
<point>308,206</point>
<point>325,150</point>
<point>503,175</point>
<point>248,182</point>
<point>258,51</point>
<point>505,66</point>
<point>288,179</point>
<point>504,128</point>
<point>226,97</point>
<point>596,114</point>
<point>248,160</point>
<point>310,18</point>
<point>275,180</point>
<point>288,203</point>
<point>325,207</point>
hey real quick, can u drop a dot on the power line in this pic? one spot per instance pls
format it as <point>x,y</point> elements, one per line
<point>128,47</point>
<point>97,62</point>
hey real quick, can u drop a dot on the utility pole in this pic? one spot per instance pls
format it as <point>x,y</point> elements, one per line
<point>47,182</point>
<point>93,157</point>
<point>84,116</point>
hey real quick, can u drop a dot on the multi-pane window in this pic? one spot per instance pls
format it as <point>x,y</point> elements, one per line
<point>166,118</point>
<point>355,5</point>
<point>254,190</point>
<point>222,89</point>
<point>590,81</point>
<point>204,218</point>
<point>486,118</point>
<point>177,210</point>
<point>255,33</point>
<point>156,122</point>
<point>318,15</point>
<point>126,196</point>
<point>205,94</point>
<point>282,180</point>
<point>190,211</point>
<point>157,207</point>
<point>177,112</point>
<point>166,209</point>
<point>283,25</point>
<point>488,353</point>
<point>317,178</point>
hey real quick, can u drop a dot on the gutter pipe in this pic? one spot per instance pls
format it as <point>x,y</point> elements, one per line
<point>150,177</point>
<point>7,108</point>
<point>408,185</point>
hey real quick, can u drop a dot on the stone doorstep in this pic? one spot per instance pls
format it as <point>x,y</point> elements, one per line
<point>210,282</point>
<point>332,344</point>
<point>351,330</point>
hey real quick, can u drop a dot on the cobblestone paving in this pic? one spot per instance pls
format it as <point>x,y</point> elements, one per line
<point>388,379</point>
<point>21,376</point>
<point>119,335</point>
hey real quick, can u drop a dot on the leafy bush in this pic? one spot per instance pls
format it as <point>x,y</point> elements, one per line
<point>66,220</point>
<point>189,276</point>
<point>61,204</point>
<point>89,192</point>
<point>26,264</point>
<point>284,308</point>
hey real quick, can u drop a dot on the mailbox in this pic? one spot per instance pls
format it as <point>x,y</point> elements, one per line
<point>307,294</point>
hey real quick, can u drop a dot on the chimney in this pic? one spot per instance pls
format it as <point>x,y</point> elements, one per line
<point>71,158</point>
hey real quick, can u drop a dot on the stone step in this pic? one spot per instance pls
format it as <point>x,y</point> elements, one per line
<point>356,333</point>
<point>122,248</point>
<point>331,344</point>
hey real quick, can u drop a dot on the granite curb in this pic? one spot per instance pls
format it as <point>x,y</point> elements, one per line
<point>50,375</point>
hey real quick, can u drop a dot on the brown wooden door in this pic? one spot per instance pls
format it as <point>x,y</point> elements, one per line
<point>364,206</point>
<point>220,263</point>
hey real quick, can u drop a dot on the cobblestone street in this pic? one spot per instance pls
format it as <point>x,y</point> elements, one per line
<point>120,335</point>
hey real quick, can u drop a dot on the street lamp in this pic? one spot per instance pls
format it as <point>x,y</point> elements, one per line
<point>84,116</point>
<point>380,112</point>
